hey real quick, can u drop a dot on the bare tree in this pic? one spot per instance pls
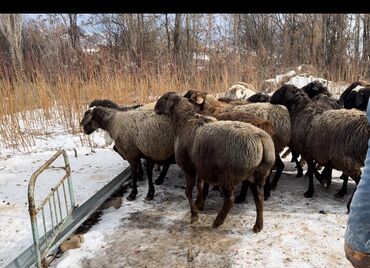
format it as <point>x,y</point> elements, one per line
<point>11,30</point>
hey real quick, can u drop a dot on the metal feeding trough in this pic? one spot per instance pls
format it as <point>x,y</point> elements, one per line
<point>58,209</point>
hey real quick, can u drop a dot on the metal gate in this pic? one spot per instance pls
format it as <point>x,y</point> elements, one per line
<point>59,205</point>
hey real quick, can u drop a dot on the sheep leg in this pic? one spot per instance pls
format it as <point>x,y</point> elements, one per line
<point>140,172</point>
<point>326,176</point>
<point>258,200</point>
<point>134,174</point>
<point>205,190</point>
<point>190,182</point>
<point>149,174</point>
<point>243,193</point>
<point>311,190</point>
<point>343,190</point>
<point>215,188</point>
<point>267,187</point>
<point>357,180</point>
<point>279,170</point>
<point>228,203</point>
<point>200,198</point>
<point>298,165</point>
<point>163,174</point>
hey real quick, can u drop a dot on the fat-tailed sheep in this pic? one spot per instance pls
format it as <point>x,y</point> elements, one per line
<point>336,138</point>
<point>203,143</point>
<point>137,134</point>
<point>278,116</point>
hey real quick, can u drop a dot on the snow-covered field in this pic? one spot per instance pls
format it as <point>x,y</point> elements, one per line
<point>90,172</point>
<point>298,232</point>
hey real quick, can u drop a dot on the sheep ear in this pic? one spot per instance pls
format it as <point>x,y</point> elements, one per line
<point>200,99</point>
<point>359,99</point>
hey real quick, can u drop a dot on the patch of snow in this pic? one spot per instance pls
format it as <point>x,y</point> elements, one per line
<point>92,168</point>
<point>158,232</point>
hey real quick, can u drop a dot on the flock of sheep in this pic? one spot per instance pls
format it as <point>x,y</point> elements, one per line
<point>239,137</point>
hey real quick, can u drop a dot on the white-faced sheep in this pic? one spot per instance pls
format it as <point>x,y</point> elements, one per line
<point>137,134</point>
<point>240,91</point>
<point>337,138</point>
<point>202,145</point>
<point>276,114</point>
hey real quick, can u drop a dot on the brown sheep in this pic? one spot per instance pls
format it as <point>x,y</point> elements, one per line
<point>201,145</point>
<point>278,115</point>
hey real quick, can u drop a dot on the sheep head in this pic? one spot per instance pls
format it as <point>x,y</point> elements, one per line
<point>197,98</point>
<point>314,88</point>
<point>165,105</point>
<point>284,95</point>
<point>104,103</point>
<point>259,97</point>
<point>95,118</point>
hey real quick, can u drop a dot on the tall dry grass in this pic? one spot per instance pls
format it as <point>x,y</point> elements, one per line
<point>30,108</point>
<point>32,105</point>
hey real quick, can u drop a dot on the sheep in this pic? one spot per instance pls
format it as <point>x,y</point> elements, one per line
<point>278,115</point>
<point>353,86</point>
<point>148,107</point>
<point>259,97</point>
<point>258,122</point>
<point>240,91</point>
<point>233,102</point>
<point>137,134</point>
<point>110,104</point>
<point>201,146</point>
<point>335,138</point>
<point>315,88</point>
<point>358,99</point>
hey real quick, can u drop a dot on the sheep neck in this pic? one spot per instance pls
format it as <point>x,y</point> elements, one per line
<point>181,116</point>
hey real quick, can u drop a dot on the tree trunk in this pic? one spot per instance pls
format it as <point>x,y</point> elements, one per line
<point>11,29</point>
<point>176,35</point>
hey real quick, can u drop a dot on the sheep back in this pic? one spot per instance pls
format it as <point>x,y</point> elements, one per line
<point>246,147</point>
<point>341,138</point>
<point>279,117</point>
<point>144,133</point>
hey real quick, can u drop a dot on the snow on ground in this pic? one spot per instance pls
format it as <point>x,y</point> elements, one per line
<point>91,170</point>
<point>158,233</point>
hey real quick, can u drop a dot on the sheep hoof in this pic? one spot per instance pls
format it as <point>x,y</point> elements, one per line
<point>159,181</point>
<point>308,194</point>
<point>217,223</point>
<point>194,217</point>
<point>257,228</point>
<point>131,197</point>
<point>239,199</point>
<point>340,194</point>
<point>149,196</point>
